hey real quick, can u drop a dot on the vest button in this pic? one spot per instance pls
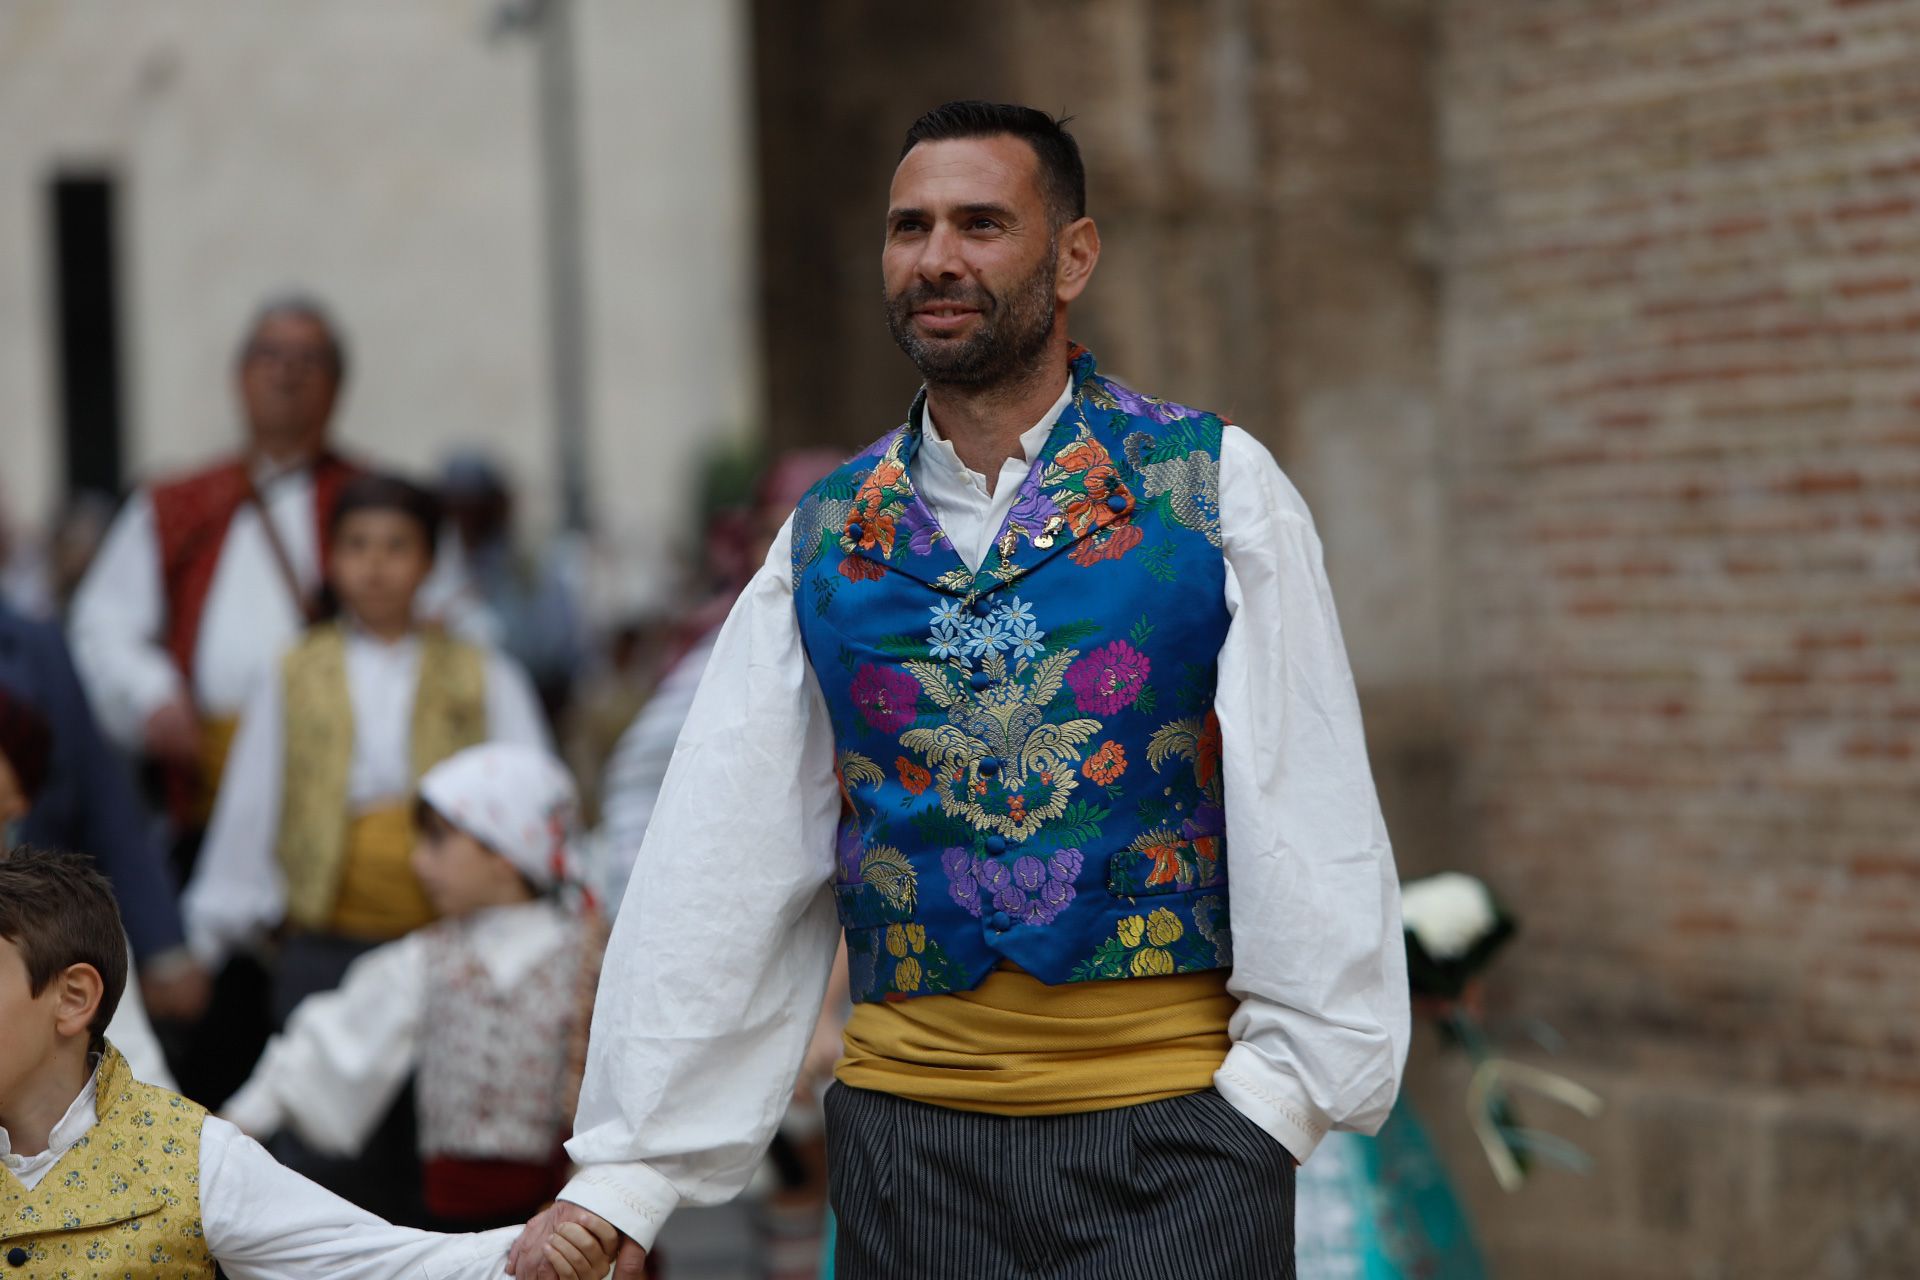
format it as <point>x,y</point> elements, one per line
<point>16,1257</point>
<point>982,606</point>
<point>979,679</point>
<point>856,531</point>
<point>1117,503</point>
<point>996,844</point>
<point>989,767</point>
<point>1001,921</point>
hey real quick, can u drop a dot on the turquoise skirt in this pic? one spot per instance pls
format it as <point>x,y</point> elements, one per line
<point>1381,1208</point>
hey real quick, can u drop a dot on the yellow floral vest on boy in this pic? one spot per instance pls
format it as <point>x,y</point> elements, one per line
<point>449,714</point>
<point>123,1203</point>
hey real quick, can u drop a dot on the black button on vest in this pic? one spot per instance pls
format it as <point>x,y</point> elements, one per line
<point>16,1257</point>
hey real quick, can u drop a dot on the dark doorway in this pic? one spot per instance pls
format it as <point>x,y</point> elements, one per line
<point>87,309</point>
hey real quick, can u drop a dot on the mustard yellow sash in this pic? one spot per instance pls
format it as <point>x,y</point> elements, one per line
<point>1016,1046</point>
<point>216,741</point>
<point>379,897</point>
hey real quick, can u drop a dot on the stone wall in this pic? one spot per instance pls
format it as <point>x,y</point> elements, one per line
<point>387,157</point>
<point>1681,364</point>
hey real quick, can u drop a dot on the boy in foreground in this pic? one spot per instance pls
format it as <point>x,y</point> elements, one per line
<point>102,1175</point>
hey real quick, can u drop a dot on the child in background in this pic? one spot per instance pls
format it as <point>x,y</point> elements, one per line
<point>313,831</point>
<point>103,1175</point>
<point>488,1007</point>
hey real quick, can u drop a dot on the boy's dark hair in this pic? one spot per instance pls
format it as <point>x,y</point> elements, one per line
<point>377,492</point>
<point>1063,178</point>
<point>60,912</point>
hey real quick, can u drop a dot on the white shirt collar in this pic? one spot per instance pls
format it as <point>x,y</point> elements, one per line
<point>512,941</point>
<point>940,451</point>
<point>268,471</point>
<point>360,638</point>
<point>79,1119</point>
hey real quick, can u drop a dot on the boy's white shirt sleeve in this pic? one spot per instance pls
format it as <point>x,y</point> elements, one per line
<point>344,1056</point>
<point>265,1222</point>
<point>1319,964</point>
<point>238,892</point>
<point>717,964</point>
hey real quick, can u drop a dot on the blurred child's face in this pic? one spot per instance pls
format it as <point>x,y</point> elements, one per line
<point>380,558</point>
<point>460,874</point>
<point>31,1026</point>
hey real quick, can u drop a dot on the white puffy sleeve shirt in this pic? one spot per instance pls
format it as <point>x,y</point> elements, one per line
<point>720,954</point>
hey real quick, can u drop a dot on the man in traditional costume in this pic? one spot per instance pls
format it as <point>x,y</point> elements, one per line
<point>202,581</point>
<point>205,578</point>
<point>1041,700</point>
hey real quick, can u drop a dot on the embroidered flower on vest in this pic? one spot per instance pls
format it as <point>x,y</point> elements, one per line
<point>1109,679</point>
<point>885,697</point>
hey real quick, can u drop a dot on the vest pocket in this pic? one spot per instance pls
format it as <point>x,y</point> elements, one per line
<point>864,906</point>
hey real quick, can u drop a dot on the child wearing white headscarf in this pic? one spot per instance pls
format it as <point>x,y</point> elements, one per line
<point>488,1007</point>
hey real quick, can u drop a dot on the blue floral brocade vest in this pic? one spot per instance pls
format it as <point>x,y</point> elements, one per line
<point>1028,759</point>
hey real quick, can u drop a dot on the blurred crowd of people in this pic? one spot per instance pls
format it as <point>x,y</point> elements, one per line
<point>369,786</point>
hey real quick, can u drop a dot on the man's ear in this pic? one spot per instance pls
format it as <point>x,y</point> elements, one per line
<point>79,990</point>
<point>1079,254</point>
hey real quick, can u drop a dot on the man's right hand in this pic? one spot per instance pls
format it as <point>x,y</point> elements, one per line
<point>173,733</point>
<point>527,1259</point>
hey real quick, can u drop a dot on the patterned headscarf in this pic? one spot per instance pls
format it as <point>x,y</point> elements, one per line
<point>516,800</point>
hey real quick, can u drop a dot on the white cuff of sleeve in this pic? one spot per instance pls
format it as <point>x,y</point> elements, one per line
<point>1274,1102</point>
<point>632,1197</point>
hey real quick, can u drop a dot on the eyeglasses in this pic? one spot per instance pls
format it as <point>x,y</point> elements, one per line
<point>300,359</point>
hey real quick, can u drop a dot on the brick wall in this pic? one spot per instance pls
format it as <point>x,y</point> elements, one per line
<point>1681,371</point>
<point>1591,331</point>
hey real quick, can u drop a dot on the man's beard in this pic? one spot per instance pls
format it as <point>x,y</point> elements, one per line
<point>1006,342</point>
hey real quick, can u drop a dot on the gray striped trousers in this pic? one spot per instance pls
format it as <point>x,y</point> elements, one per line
<point>1184,1189</point>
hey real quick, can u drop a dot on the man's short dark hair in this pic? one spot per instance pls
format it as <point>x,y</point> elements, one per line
<point>378,492</point>
<point>1063,178</point>
<point>59,912</point>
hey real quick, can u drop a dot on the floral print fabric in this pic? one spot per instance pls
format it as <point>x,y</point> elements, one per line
<point>1036,738</point>
<point>124,1200</point>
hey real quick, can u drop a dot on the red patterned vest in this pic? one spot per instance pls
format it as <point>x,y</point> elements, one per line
<point>191,515</point>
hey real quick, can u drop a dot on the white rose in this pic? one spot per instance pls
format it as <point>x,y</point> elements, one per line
<point>1448,913</point>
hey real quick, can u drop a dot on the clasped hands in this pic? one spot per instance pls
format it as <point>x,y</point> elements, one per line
<point>566,1242</point>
